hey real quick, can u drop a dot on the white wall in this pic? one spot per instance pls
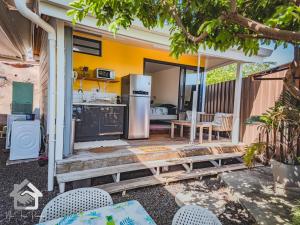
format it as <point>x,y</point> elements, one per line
<point>165,85</point>
<point>15,72</point>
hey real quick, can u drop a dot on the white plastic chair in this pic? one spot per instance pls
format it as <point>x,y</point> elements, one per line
<point>75,201</point>
<point>194,215</point>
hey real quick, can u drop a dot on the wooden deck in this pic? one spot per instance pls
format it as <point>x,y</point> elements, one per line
<point>156,154</point>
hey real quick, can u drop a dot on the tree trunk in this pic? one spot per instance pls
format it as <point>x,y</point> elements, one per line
<point>290,82</point>
<point>276,149</point>
<point>298,148</point>
<point>267,147</point>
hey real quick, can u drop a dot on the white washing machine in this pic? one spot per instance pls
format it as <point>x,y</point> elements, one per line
<point>25,139</point>
<point>10,120</point>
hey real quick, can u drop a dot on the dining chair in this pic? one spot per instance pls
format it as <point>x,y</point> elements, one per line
<point>75,201</point>
<point>195,215</point>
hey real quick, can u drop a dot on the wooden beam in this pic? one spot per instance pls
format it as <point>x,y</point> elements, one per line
<point>116,177</point>
<point>214,163</point>
<point>85,174</point>
<point>155,171</point>
<point>165,169</point>
<point>61,187</point>
<point>166,178</point>
<point>186,167</point>
<point>178,151</point>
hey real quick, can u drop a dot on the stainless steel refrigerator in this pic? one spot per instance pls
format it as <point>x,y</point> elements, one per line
<point>136,93</point>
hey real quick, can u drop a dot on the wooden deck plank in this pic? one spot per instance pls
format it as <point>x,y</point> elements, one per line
<point>104,160</point>
<point>167,178</point>
<point>85,174</point>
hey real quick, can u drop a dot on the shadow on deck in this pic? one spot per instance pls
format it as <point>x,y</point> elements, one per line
<point>159,155</point>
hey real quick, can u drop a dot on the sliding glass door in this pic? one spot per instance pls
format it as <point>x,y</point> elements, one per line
<point>187,86</point>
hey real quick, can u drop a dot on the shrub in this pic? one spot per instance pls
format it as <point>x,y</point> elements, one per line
<point>296,215</point>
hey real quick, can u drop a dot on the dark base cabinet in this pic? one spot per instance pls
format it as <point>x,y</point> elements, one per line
<point>97,122</point>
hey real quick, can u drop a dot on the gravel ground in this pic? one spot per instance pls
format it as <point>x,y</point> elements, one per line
<point>159,201</point>
<point>15,174</point>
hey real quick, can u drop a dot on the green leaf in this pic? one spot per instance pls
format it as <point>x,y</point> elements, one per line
<point>197,17</point>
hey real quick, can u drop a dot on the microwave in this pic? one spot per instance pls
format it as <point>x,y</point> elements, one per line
<point>105,74</point>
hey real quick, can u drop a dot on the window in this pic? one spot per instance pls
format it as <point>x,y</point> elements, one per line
<point>87,46</point>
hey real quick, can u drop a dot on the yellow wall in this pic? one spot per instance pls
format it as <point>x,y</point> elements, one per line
<point>123,59</point>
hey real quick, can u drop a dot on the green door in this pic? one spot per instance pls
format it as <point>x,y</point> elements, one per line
<point>22,98</point>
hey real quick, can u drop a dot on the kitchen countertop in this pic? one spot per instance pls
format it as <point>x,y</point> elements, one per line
<point>99,104</point>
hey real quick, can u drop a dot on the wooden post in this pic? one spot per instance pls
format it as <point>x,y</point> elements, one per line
<point>181,131</point>
<point>237,105</point>
<point>200,135</point>
<point>172,129</point>
<point>210,133</point>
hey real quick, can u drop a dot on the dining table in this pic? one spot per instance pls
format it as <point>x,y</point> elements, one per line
<point>125,213</point>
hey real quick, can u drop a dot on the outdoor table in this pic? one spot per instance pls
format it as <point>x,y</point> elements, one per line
<point>200,125</point>
<point>126,213</point>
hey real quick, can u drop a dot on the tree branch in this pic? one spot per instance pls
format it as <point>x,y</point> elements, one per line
<point>258,36</point>
<point>233,6</point>
<point>175,14</point>
<point>261,29</point>
<point>289,82</point>
<point>296,2</point>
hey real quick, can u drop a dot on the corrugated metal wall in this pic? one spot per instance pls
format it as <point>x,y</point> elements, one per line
<point>257,97</point>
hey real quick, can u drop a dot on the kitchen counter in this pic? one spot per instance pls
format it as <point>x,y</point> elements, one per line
<point>99,104</point>
<point>98,121</point>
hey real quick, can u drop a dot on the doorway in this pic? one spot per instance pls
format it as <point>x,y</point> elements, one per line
<point>164,94</point>
<point>188,82</point>
<point>171,92</point>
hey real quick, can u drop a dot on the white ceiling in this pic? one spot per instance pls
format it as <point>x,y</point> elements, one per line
<point>215,62</point>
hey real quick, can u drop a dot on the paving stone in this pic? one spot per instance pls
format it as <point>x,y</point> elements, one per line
<point>256,191</point>
<point>215,201</point>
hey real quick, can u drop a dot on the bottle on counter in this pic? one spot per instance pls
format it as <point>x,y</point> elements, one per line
<point>118,100</point>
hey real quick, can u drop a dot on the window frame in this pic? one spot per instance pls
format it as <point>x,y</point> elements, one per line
<point>88,47</point>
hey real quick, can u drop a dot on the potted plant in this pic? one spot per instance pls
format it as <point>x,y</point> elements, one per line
<point>279,143</point>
